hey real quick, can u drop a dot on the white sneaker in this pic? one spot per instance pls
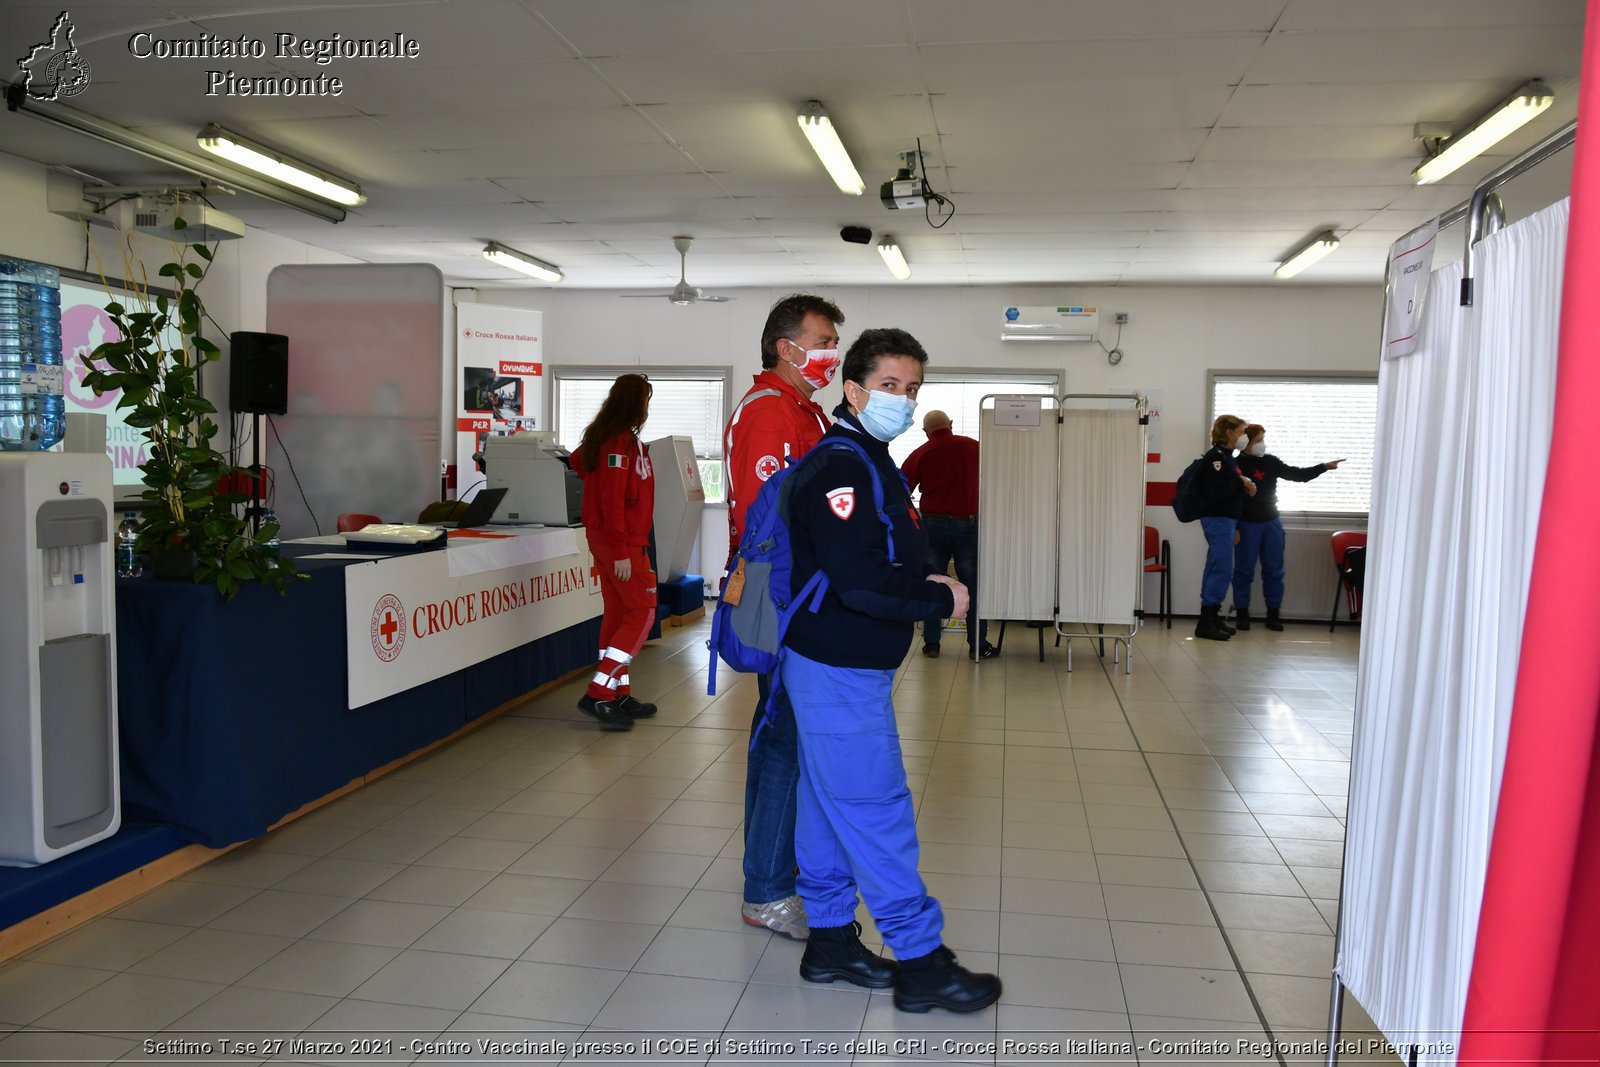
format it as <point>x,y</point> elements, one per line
<point>786,917</point>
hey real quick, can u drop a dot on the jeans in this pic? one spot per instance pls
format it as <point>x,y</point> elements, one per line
<point>1219,559</point>
<point>956,538</point>
<point>1263,541</point>
<point>771,776</point>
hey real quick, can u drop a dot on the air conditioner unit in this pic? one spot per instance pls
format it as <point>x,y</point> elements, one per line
<point>1064,323</point>
<point>204,224</point>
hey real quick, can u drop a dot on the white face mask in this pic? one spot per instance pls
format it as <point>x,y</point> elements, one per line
<point>1259,448</point>
<point>1241,442</point>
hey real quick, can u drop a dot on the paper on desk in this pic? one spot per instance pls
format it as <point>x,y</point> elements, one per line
<point>346,555</point>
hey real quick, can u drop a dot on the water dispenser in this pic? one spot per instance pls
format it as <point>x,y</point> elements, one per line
<point>59,782</point>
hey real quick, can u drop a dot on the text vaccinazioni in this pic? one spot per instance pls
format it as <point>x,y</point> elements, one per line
<point>321,51</point>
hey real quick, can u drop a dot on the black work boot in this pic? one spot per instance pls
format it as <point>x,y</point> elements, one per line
<point>634,708</point>
<point>938,981</point>
<point>837,952</point>
<point>1241,619</point>
<point>1210,626</point>
<point>1273,622</point>
<point>605,712</point>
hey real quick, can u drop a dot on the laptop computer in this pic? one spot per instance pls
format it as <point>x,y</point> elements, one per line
<point>479,510</point>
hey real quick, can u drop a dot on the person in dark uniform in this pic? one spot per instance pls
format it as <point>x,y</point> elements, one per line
<point>1222,494</point>
<point>946,468</point>
<point>1260,528</point>
<point>619,493</point>
<point>856,827</point>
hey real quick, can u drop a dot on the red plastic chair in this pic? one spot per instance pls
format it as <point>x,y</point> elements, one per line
<point>1352,573</point>
<point>352,521</point>
<point>1158,560</point>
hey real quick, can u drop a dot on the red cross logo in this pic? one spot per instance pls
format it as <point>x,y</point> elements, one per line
<point>767,466</point>
<point>388,627</point>
<point>842,502</point>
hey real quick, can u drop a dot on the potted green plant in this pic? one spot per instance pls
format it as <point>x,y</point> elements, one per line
<point>193,527</point>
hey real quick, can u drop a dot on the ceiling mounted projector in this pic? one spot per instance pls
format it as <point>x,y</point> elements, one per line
<point>903,191</point>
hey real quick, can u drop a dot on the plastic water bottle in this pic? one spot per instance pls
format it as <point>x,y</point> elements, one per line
<point>32,410</point>
<point>129,565</point>
<point>268,517</point>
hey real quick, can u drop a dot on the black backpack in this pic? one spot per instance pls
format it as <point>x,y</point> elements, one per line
<point>1186,499</point>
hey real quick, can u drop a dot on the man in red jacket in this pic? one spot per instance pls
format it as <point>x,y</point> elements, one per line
<point>946,468</point>
<point>774,421</point>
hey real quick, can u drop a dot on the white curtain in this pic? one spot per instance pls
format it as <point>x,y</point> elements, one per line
<point>1102,515</point>
<point>1017,518</point>
<point>1463,440</point>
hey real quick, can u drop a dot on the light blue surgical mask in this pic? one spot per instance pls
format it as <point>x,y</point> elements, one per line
<point>887,415</point>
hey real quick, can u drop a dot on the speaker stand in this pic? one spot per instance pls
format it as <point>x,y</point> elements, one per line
<point>255,511</point>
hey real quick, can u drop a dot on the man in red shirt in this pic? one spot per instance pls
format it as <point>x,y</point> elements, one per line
<point>774,421</point>
<point>947,470</point>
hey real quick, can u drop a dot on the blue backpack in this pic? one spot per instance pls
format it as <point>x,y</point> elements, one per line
<point>755,608</point>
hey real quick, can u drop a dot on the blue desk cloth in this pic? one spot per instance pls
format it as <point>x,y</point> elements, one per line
<point>233,714</point>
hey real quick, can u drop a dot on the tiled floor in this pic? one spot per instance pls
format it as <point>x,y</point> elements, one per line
<point>1151,863</point>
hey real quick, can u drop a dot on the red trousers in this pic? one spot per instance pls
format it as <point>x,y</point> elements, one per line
<point>630,613</point>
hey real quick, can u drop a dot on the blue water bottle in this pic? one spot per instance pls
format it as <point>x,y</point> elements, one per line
<point>32,408</point>
<point>268,517</point>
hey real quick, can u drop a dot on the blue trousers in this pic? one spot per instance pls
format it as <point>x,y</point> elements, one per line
<point>1261,541</point>
<point>771,776</point>
<point>856,827</point>
<point>954,539</point>
<point>1219,559</point>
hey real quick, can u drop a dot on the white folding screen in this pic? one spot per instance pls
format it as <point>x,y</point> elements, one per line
<point>1463,440</point>
<point>1101,515</point>
<point>1017,517</point>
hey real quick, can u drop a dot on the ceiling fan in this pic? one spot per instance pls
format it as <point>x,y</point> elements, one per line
<point>683,293</point>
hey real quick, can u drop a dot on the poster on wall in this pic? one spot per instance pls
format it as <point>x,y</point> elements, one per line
<point>85,326</point>
<point>499,381</point>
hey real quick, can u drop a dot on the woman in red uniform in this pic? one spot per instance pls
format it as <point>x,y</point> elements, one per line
<point>619,499</point>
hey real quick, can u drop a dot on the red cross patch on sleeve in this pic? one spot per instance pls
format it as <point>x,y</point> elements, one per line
<point>842,502</point>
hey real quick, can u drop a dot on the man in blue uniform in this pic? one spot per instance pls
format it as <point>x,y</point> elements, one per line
<point>856,829</point>
<point>1261,528</point>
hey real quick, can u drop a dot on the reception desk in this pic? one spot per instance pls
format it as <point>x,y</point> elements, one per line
<point>235,714</point>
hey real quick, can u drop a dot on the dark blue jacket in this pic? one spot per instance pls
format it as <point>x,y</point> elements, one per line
<point>869,615</point>
<point>1221,492</point>
<point>1265,472</point>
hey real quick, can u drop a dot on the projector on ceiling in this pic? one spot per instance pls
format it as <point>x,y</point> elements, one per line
<point>205,224</point>
<point>902,192</point>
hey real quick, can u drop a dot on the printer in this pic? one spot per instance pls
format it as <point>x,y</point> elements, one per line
<point>541,489</point>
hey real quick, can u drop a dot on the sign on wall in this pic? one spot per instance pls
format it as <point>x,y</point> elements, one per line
<point>499,380</point>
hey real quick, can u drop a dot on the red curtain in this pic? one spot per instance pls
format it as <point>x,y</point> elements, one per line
<point>1535,988</point>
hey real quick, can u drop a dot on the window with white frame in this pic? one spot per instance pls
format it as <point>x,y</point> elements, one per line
<point>684,402</point>
<point>1310,419</point>
<point>959,393</point>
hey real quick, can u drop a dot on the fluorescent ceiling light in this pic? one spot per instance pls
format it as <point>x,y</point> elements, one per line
<point>818,128</point>
<point>1524,105</point>
<point>893,258</point>
<point>279,167</point>
<point>189,162</point>
<point>1320,246</point>
<point>499,254</point>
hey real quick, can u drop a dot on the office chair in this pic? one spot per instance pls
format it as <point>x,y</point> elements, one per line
<point>352,521</point>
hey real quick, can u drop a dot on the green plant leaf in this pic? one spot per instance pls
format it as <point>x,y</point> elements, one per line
<point>194,268</point>
<point>143,418</point>
<point>180,223</point>
<point>170,270</point>
<point>202,251</point>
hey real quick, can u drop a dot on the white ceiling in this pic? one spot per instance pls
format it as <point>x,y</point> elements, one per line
<point>1083,141</point>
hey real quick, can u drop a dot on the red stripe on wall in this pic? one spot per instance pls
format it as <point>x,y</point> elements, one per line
<point>1159,494</point>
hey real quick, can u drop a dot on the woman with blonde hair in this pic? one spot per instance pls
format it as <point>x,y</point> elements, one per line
<point>619,494</point>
